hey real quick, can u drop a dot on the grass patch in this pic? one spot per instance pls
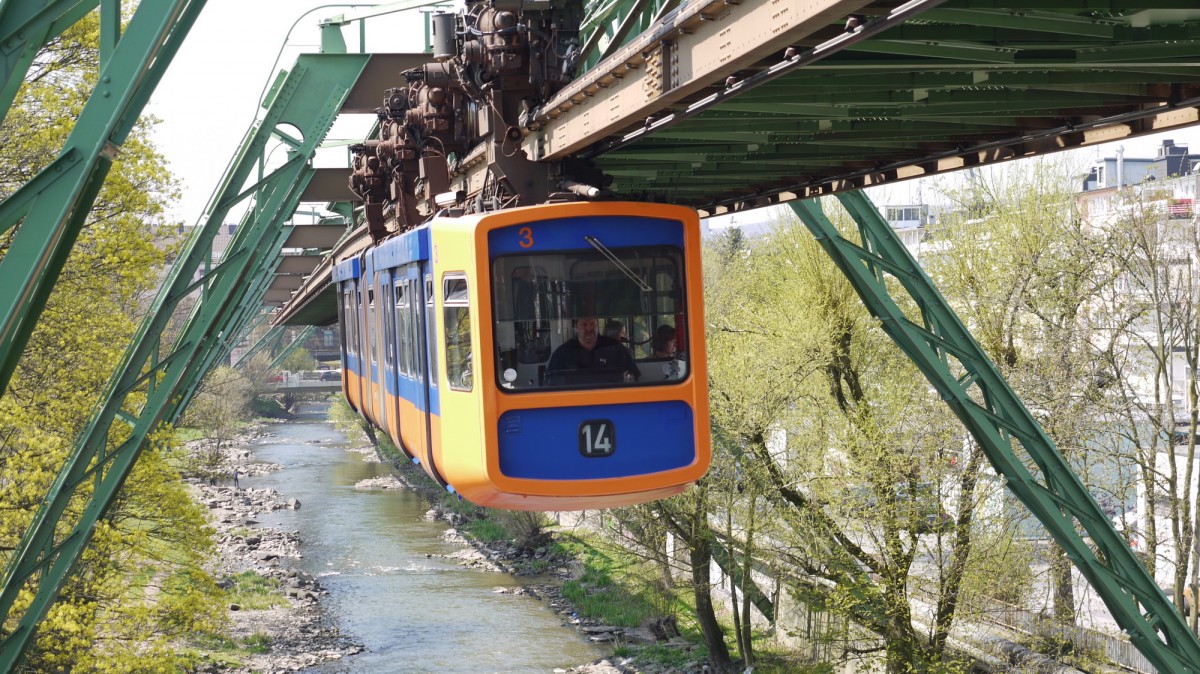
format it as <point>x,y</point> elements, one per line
<point>614,589</point>
<point>487,531</point>
<point>389,448</point>
<point>254,592</point>
<point>259,642</point>
<point>663,656</point>
<point>225,651</point>
<point>183,435</point>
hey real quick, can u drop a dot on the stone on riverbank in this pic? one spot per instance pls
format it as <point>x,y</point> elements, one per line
<point>297,632</point>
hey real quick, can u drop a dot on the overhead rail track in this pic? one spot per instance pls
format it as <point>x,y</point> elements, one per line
<point>681,114</point>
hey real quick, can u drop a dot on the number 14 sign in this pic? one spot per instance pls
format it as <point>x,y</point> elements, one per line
<point>597,438</point>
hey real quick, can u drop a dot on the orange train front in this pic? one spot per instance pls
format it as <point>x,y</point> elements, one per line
<point>449,336</point>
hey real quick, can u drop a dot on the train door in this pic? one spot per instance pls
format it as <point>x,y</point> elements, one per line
<point>378,367</point>
<point>429,361</point>
<point>415,400</point>
<point>360,346</point>
<point>366,339</point>
<point>348,318</point>
<point>389,380</point>
<point>402,298</point>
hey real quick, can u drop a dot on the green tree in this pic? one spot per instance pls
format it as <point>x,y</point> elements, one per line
<point>1022,269</point>
<point>219,408</point>
<point>863,468</point>
<point>1155,360</point>
<point>299,360</point>
<point>139,585</point>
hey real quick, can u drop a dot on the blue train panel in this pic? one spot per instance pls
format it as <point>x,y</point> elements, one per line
<point>544,444</point>
<point>349,269</point>
<point>566,233</point>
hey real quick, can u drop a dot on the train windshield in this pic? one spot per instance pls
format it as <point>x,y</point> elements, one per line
<point>589,318</point>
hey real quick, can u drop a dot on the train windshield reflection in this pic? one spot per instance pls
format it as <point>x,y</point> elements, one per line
<point>589,318</point>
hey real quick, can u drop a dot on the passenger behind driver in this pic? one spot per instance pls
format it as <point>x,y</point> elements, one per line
<point>662,347</point>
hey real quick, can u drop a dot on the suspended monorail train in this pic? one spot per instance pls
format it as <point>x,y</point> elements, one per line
<point>475,343</point>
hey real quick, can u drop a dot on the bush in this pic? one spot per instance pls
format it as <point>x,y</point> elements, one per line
<point>528,529</point>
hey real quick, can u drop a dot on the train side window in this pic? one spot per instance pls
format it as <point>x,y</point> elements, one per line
<point>347,319</point>
<point>414,330</point>
<point>389,335</point>
<point>402,329</point>
<point>371,322</point>
<point>431,331</point>
<point>458,332</point>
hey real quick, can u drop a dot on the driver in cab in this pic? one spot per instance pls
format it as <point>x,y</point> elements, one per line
<point>590,350</point>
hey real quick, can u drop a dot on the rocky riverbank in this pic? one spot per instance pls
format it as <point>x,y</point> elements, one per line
<point>296,634</point>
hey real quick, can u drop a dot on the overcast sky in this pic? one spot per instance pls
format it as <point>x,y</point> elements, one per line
<point>209,95</point>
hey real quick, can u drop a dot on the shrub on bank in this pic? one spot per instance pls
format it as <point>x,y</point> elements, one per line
<point>254,592</point>
<point>270,407</point>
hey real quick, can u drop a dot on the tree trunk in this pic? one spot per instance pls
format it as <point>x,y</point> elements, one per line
<point>714,638</point>
<point>1064,588</point>
<point>947,604</point>
<point>700,551</point>
<point>745,636</point>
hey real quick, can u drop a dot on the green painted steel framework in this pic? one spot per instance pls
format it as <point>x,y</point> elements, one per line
<point>957,367</point>
<point>49,210</point>
<point>226,301</point>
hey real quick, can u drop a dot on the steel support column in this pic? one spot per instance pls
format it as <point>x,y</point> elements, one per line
<point>267,341</point>
<point>25,26</point>
<point>969,382</point>
<point>308,100</point>
<point>49,210</point>
<point>291,346</point>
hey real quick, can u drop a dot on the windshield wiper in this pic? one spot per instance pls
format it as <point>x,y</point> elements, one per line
<point>595,243</point>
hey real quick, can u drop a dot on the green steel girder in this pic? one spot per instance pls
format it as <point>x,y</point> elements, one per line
<point>308,100</point>
<point>1029,20</point>
<point>842,82</point>
<point>25,26</point>
<point>957,51</point>
<point>245,305</point>
<point>1032,36</point>
<point>264,343</point>
<point>291,346</point>
<point>919,99</point>
<point>1156,52</point>
<point>969,382</point>
<point>51,208</point>
<point>609,24</point>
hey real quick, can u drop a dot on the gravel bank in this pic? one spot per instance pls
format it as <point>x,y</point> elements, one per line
<point>301,636</point>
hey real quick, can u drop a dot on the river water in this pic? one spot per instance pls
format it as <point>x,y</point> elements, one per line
<point>390,586</point>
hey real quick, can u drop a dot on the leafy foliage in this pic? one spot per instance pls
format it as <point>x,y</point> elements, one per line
<point>139,585</point>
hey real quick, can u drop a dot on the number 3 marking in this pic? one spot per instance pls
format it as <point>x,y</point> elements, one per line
<point>526,234</point>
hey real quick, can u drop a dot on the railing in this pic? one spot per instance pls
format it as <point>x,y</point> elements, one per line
<point>1114,648</point>
<point>1180,209</point>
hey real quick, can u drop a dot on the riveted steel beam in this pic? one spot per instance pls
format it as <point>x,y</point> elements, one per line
<point>881,268</point>
<point>308,99</point>
<point>25,26</point>
<point>693,47</point>
<point>51,208</point>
